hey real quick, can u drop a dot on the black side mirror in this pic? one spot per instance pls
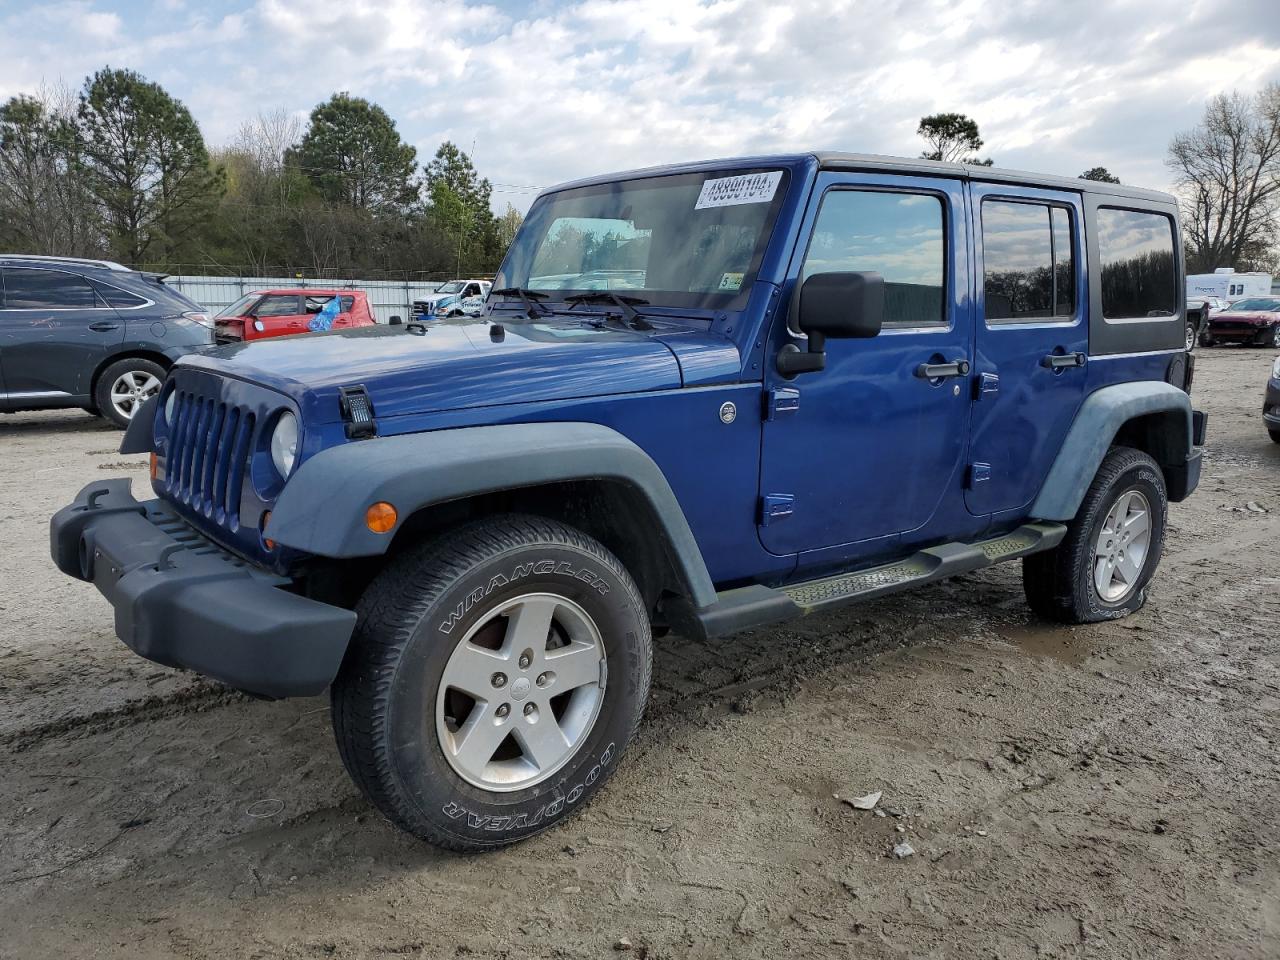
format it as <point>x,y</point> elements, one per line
<point>395,320</point>
<point>846,305</point>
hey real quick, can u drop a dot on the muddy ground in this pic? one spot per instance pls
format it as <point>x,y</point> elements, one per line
<point>1105,791</point>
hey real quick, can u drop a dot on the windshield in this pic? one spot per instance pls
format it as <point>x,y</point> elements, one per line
<point>454,286</point>
<point>239,308</point>
<point>690,240</point>
<point>1256,303</point>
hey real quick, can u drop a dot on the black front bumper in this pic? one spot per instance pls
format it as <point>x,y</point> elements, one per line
<point>183,601</point>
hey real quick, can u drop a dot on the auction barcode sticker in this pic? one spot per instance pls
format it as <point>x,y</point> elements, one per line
<point>747,188</point>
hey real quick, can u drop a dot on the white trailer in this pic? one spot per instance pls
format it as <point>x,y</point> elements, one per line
<point>1227,284</point>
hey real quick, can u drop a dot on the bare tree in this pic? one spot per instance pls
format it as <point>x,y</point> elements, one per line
<point>1228,173</point>
<point>44,204</point>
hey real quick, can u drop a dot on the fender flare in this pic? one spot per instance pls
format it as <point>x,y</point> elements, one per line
<point>1093,431</point>
<point>322,507</point>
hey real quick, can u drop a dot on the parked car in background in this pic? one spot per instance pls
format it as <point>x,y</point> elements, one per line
<point>282,313</point>
<point>1199,311</point>
<point>1271,402</point>
<point>1255,321</point>
<point>91,334</point>
<point>456,298</point>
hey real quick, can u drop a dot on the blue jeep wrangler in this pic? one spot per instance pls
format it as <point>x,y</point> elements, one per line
<point>792,382</point>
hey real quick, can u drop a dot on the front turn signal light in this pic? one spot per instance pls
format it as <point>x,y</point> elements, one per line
<point>381,517</point>
<point>155,466</point>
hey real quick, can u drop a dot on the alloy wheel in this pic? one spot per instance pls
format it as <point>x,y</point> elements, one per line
<point>131,390</point>
<point>521,692</point>
<point>1120,549</point>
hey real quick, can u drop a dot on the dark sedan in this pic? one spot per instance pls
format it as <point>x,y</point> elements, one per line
<point>1255,321</point>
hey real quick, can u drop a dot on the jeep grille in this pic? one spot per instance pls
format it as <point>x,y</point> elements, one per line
<point>208,456</point>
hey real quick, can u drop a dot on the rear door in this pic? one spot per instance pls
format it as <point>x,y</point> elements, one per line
<point>860,455</point>
<point>54,332</point>
<point>1032,340</point>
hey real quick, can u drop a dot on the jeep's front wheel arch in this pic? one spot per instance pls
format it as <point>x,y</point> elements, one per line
<point>402,718</point>
<point>611,511</point>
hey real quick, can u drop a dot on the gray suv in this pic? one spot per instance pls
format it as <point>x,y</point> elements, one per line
<point>90,334</point>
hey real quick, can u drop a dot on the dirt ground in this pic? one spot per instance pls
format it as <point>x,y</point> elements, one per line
<point>1104,791</point>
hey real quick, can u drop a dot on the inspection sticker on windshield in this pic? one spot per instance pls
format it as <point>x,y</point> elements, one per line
<point>730,191</point>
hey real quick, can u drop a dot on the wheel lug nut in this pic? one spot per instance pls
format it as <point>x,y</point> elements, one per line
<point>530,709</point>
<point>543,679</point>
<point>503,710</point>
<point>524,662</point>
<point>499,679</point>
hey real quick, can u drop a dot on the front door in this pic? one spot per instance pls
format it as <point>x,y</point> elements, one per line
<point>1032,340</point>
<point>281,314</point>
<point>871,448</point>
<point>54,332</point>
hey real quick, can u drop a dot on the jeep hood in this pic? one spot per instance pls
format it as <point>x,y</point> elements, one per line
<point>448,366</point>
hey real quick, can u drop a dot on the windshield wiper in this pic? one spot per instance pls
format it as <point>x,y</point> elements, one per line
<point>530,298</point>
<point>627,304</point>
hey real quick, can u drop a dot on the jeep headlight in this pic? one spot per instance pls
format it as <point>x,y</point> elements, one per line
<point>284,443</point>
<point>168,407</point>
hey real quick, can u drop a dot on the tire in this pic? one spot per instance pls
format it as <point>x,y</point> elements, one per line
<point>1191,337</point>
<point>146,376</point>
<point>1062,584</point>
<point>401,723</point>
<point>1206,339</point>
<point>1275,435</point>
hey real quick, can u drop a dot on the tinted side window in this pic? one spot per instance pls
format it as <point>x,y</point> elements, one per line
<point>117,297</point>
<point>899,236</point>
<point>1139,278</point>
<point>278,307</point>
<point>1028,261</point>
<point>1064,262</point>
<point>43,289</point>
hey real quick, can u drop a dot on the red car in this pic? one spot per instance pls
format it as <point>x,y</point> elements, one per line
<point>1254,321</point>
<point>279,313</point>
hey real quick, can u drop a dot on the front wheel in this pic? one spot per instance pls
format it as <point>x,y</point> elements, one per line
<point>1101,569</point>
<point>1191,336</point>
<point>495,678</point>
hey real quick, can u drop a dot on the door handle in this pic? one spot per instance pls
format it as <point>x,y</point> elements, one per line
<point>102,326</point>
<point>940,371</point>
<point>1057,361</point>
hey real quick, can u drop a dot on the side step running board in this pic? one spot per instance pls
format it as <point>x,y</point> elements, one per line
<point>759,605</point>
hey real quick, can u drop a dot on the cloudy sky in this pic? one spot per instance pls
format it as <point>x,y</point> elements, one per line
<point>551,91</point>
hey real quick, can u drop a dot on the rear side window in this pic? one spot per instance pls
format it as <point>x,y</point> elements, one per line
<point>899,236</point>
<point>47,289</point>
<point>1139,278</point>
<point>116,297</point>
<point>348,303</point>
<point>1028,261</point>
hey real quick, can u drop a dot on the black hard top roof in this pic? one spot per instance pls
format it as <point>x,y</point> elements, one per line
<point>885,164</point>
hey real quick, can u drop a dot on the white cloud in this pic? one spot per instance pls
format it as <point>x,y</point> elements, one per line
<point>550,91</point>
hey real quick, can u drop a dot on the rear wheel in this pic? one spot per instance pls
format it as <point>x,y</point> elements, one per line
<point>125,386</point>
<point>1275,435</point>
<point>1101,569</point>
<point>495,678</point>
<point>1191,336</point>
